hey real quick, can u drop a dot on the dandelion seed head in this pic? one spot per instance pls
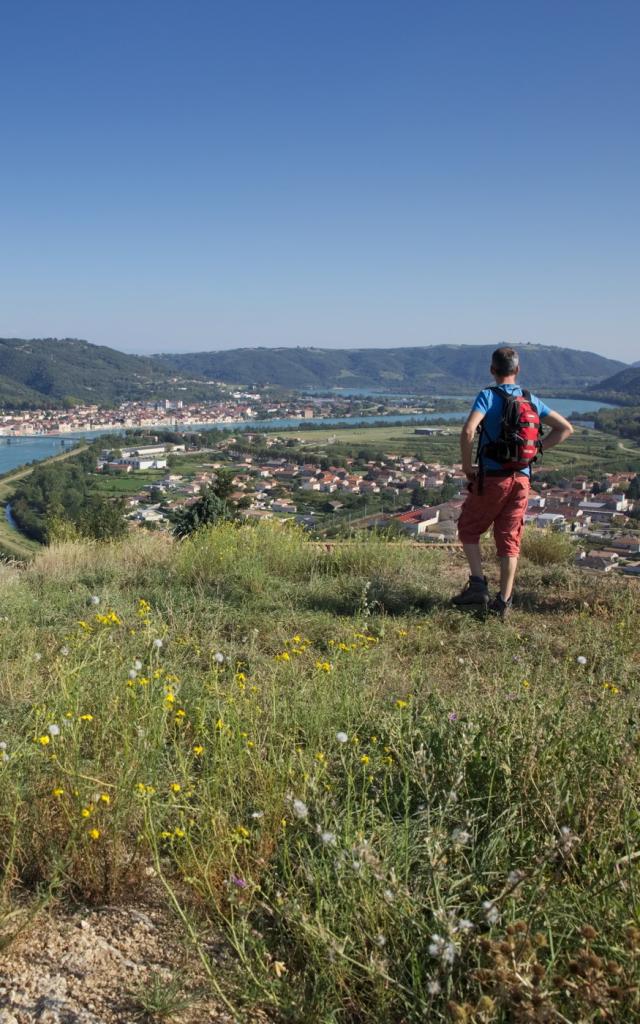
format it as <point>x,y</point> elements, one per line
<point>299,808</point>
<point>157,643</point>
<point>219,657</point>
<point>342,737</point>
<point>94,599</point>
<point>64,651</point>
<point>491,912</point>
<point>581,659</point>
<point>132,673</point>
<point>328,838</point>
<point>137,664</point>
<point>54,730</point>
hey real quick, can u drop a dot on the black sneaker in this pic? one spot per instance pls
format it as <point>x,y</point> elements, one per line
<point>500,607</point>
<point>476,592</point>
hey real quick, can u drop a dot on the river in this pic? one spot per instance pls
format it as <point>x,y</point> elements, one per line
<point>18,451</point>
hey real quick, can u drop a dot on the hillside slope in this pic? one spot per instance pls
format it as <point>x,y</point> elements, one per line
<point>433,368</point>
<point>391,810</point>
<point>70,369</point>
<point>626,383</point>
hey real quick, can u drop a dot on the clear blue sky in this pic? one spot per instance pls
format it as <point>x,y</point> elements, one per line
<point>205,174</point>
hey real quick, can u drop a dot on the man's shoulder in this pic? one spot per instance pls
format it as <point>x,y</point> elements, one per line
<point>483,399</point>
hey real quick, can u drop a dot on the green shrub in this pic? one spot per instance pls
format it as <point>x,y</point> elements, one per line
<point>547,547</point>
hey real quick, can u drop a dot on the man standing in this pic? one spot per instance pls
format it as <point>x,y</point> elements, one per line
<point>498,494</point>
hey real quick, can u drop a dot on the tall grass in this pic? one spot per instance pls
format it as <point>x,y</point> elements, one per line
<point>392,814</point>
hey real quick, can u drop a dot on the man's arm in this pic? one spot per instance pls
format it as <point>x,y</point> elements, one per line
<point>561,429</point>
<point>467,435</point>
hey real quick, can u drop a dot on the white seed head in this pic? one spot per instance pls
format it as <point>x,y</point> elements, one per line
<point>137,664</point>
<point>581,659</point>
<point>54,730</point>
<point>219,657</point>
<point>157,643</point>
<point>491,912</point>
<point>299,808</point>
<point>94,599</point>
<point>341,737</point>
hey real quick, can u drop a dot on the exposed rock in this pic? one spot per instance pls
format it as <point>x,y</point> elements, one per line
<point>91,968</point>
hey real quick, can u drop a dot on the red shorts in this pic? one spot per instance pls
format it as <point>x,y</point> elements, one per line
<point>503,503</point>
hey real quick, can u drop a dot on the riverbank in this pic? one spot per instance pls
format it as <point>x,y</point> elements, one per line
<point>14,544</point>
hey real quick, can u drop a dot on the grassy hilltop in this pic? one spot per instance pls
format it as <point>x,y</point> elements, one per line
<point>360,804</point>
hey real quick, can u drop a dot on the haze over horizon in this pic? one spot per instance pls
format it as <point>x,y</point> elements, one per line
<point>341,176</point>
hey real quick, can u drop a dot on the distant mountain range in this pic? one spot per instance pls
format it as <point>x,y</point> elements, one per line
<point>55,371</point>
<point>433,369</point>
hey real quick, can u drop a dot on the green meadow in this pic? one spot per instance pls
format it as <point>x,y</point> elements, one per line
<point>385,810</point>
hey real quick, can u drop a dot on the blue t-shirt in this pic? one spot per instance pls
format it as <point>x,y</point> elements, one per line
<point>491,405</point>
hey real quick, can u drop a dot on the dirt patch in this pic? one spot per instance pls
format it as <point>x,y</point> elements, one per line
<point>104,966</point>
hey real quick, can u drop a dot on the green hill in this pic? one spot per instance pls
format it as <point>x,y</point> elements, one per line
<point>56,369</point>
<point>51,370</point>
<point>360,804</point>
<point>435,368</point>
<point>625,384</point>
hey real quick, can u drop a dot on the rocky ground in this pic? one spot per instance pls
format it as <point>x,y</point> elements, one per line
<point>103,966</point>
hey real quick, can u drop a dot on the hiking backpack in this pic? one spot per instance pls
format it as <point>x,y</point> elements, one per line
<point>518,444</point>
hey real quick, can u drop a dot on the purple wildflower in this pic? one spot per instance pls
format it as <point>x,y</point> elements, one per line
<point>239,882</point>
<point>453,716</point>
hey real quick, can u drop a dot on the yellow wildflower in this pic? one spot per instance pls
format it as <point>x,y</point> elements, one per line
<point>364,759</point>
<point>175,787</point>
<point>105,798</point>
<point>179,833</point>
<point>86,812</point>
<point>44,740</point>
<point>57,791</point>
<point>198,750</point>
<point>86,718</point>
<point>94,833</point>
<point>402,704</point>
